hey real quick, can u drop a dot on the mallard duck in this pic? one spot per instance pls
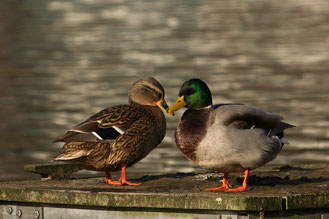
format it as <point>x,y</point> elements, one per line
<point>119,136</point>
<point>225,138</point>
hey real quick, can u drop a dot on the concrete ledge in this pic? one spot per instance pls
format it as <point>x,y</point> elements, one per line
<point>272,189</point>
<point>144,200</point>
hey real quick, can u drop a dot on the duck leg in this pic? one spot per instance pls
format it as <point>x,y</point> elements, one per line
<point>226,185</point>
<point>123,179</point>
<point>109,179</point>
<point>244,184</point>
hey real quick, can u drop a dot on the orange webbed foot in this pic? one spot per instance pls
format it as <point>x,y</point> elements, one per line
<point>244,184</point>
<point>226,185</point>
<point>122,181</point>
<point>240,189</point>
<point>222,188</point>
<point>123,178</point>
<point>111,182</point>
<point>125,182</point>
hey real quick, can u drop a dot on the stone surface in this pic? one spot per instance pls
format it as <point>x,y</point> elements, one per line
<point>271,188</point>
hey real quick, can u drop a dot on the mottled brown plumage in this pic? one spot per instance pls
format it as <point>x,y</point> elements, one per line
<point>118,137</point>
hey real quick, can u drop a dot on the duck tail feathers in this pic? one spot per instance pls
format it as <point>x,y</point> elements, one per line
<point>281,141</point>
<point>284,141</point>
<point>287,125</point>
<point>72,155</point>
<point>280,128</point>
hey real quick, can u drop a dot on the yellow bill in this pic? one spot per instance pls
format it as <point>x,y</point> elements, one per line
<point>163,105</point>
<point>177,105</point>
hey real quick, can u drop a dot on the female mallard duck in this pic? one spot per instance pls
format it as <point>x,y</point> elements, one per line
<point>117,137</point>
<point>225,137</point>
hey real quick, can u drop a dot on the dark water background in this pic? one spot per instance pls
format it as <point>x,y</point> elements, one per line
<point>62,61</point>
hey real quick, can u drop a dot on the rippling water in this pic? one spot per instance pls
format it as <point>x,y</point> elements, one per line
<point>62,61</point>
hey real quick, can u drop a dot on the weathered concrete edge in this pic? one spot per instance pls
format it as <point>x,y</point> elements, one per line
<point>234,203</point>
<point>309,201</point>
<point>143,200</point>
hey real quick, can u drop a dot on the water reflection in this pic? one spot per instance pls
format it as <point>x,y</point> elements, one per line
<point>62,61</point>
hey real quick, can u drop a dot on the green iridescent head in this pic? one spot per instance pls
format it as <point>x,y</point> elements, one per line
<point>193,94</point>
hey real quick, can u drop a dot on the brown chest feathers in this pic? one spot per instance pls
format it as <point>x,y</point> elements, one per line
<point>191,130</point>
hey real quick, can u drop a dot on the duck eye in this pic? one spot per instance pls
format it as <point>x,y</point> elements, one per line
<point>190,92</point>
<point>179,101</point>
<point>159,96</point>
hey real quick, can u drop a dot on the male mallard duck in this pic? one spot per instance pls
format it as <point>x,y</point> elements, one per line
<point>225,137</point>
<point>119,136</point>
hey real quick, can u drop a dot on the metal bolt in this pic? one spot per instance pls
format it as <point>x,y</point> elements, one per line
<point>261,215</point>
<point>9,210</point>
<point>19,213</point>
<point>36,214</point>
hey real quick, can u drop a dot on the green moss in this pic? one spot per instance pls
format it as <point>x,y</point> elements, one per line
<point>230,202</point>
<point>141,200</point>
<point>309,201</point>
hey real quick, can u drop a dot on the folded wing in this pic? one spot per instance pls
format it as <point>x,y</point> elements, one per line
<point>103,127</point>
